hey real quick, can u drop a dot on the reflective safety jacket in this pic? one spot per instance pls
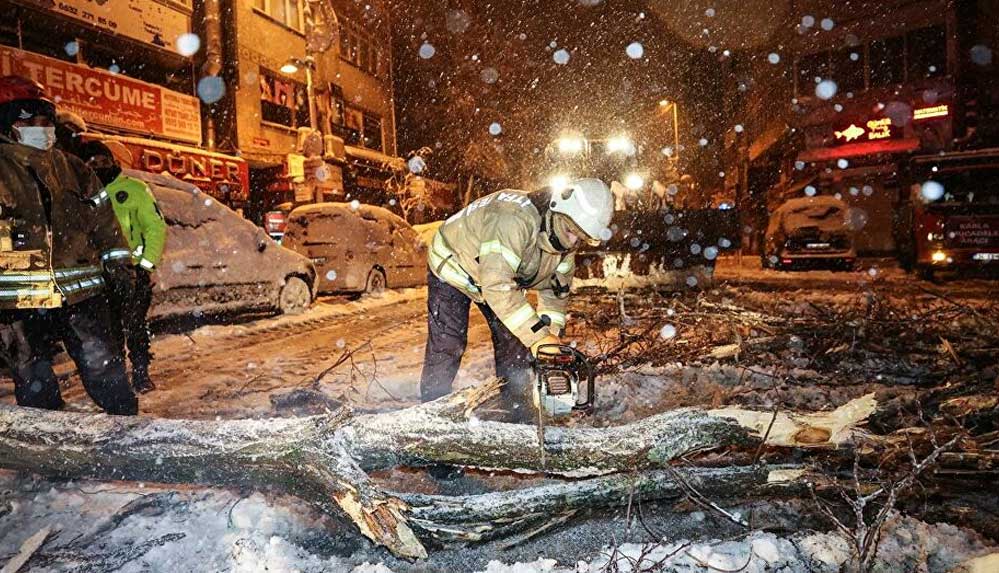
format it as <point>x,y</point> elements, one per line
<point>140,219</point>
<point>55,229</point>
<point>494,249</point>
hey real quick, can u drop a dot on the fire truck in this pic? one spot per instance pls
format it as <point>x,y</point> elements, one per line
<point>948,222</point>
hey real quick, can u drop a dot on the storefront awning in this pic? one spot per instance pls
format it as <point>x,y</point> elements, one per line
<point>857,149</point>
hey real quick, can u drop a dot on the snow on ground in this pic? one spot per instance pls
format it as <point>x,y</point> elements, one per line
<point>135,528</point>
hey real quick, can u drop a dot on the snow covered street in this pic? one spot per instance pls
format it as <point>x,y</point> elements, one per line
<point>367,354</point>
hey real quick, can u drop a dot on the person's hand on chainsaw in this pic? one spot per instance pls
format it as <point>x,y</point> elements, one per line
<point>548,339</point>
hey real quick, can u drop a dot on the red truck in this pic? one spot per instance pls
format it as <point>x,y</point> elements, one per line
<point>949,218</point>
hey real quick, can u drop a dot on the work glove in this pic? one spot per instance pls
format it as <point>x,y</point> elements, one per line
<point>548,339</point>
<point>119,278</point>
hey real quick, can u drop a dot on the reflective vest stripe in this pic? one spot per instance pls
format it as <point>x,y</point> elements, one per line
<point>22,292</point>
<point>490,247</point>
<point>116,254</point>
<point>146,264</point>
<point>100,197</point>
<point>556,318</point>
<point>519,317</point>
<point>441,259</point>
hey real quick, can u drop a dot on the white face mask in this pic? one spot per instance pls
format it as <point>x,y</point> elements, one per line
<point>38,137</point>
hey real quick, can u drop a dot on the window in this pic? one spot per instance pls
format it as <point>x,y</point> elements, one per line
<point>887,61</point>
<point>286,12</point>
<point>282,101</point>
<point>848,69</point>
<point>810,67</point>
<point>358,48</point>
<point>927,52</point>
<point>372,132</point>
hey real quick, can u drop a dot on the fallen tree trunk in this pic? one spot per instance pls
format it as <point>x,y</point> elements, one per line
<point>323,459</point>
<point>499,514</point>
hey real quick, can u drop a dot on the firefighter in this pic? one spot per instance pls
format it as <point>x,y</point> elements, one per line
<point>145,230</point>
<point>490,253</point>
<point>57,235</point>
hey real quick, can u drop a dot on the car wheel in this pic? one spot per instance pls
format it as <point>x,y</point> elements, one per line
<point>376,282</point>
<point>295,297</point>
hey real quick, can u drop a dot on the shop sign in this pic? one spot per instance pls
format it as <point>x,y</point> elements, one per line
<point>155,22</point>
<point>871,130</point>
<point>224,177</point>
<point>109,100</point>
<point>922,113</point>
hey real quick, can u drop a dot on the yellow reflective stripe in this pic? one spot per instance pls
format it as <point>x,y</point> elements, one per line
<point>490,247</point>
<point>442,261</point>
<point>565,267</point>
<point>519,318</point>
<point>557,318</point>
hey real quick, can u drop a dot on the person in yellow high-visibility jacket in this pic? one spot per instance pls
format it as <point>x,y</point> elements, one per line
<point>145,230</point>
<point>490,253</point>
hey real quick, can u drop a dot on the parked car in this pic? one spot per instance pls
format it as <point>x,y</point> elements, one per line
<point>357,248</point>
<point>216,261</point>
<point>810,232</point>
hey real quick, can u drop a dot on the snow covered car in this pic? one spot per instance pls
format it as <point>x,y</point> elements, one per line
<point>357,248</point>
<point>810,232</point>
<point>216,261</point>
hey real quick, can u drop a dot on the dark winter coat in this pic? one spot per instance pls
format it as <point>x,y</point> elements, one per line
<point>61,228</point>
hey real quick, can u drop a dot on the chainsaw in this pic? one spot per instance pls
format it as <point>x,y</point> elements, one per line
<point>563,384</point>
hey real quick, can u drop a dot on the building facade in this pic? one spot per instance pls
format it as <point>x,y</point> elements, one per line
<point>200,88</point>
<point>842,98</point>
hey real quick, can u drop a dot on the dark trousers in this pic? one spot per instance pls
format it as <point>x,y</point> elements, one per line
<point>130,304</point>
<point>447,337</point>
<point>85,330</point>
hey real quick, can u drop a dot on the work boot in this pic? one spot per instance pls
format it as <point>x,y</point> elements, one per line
<point>141,382</point>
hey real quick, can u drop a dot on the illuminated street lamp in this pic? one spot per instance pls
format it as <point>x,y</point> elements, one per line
<point>291,67</point>
<point>571,144</point>
<point>665,106</point>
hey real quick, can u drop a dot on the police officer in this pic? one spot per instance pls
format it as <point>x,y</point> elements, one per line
<point>490,253</point>
<point>145,230</point>
<point>57,238</point>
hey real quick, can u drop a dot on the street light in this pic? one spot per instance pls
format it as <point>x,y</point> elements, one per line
<point>291,67</point>
<point>665,104</point>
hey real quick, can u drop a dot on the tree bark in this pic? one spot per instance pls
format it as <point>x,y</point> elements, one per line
<point>323,459</point>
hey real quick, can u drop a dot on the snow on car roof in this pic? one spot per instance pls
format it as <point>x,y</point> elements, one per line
<point>819,201</point>
<point>362,209</point>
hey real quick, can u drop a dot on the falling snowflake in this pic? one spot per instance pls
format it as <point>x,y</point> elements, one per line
<point>842,163</point>
<point>691,281</point>
<point>827,24</point>
<point>211,89</point>
<point>188,44</point>
<point>416,164</point>
<point>710,253</point>
<point>738,128</point>
<point>489,75</point>
<point>72,49</point>
<point>495,128</point>
<point>810,191</point>
<point>931,191</point>
<point>981,55</point>
<point>427,51</point>
<point>773,58</point>
<point>561,57</point>
<point>710,12</point>
<point>331,275</point>
<point>606,234</point>
<point>825,89</point>
<point>702,142</point>
<point>355,205</point>
<point>808,21</point>
<point>668,331</point>
<point>635,50</point>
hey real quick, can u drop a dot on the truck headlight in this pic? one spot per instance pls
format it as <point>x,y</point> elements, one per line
<point>634,181</point>
<point>570,145</point>
<point>620,144</point>
<point>938,257</point>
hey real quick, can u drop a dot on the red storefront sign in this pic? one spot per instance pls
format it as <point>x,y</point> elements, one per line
<point>109,100</point>
<point>224,177</point>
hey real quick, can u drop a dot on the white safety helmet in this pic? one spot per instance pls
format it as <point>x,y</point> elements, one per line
<point>590,206</point>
